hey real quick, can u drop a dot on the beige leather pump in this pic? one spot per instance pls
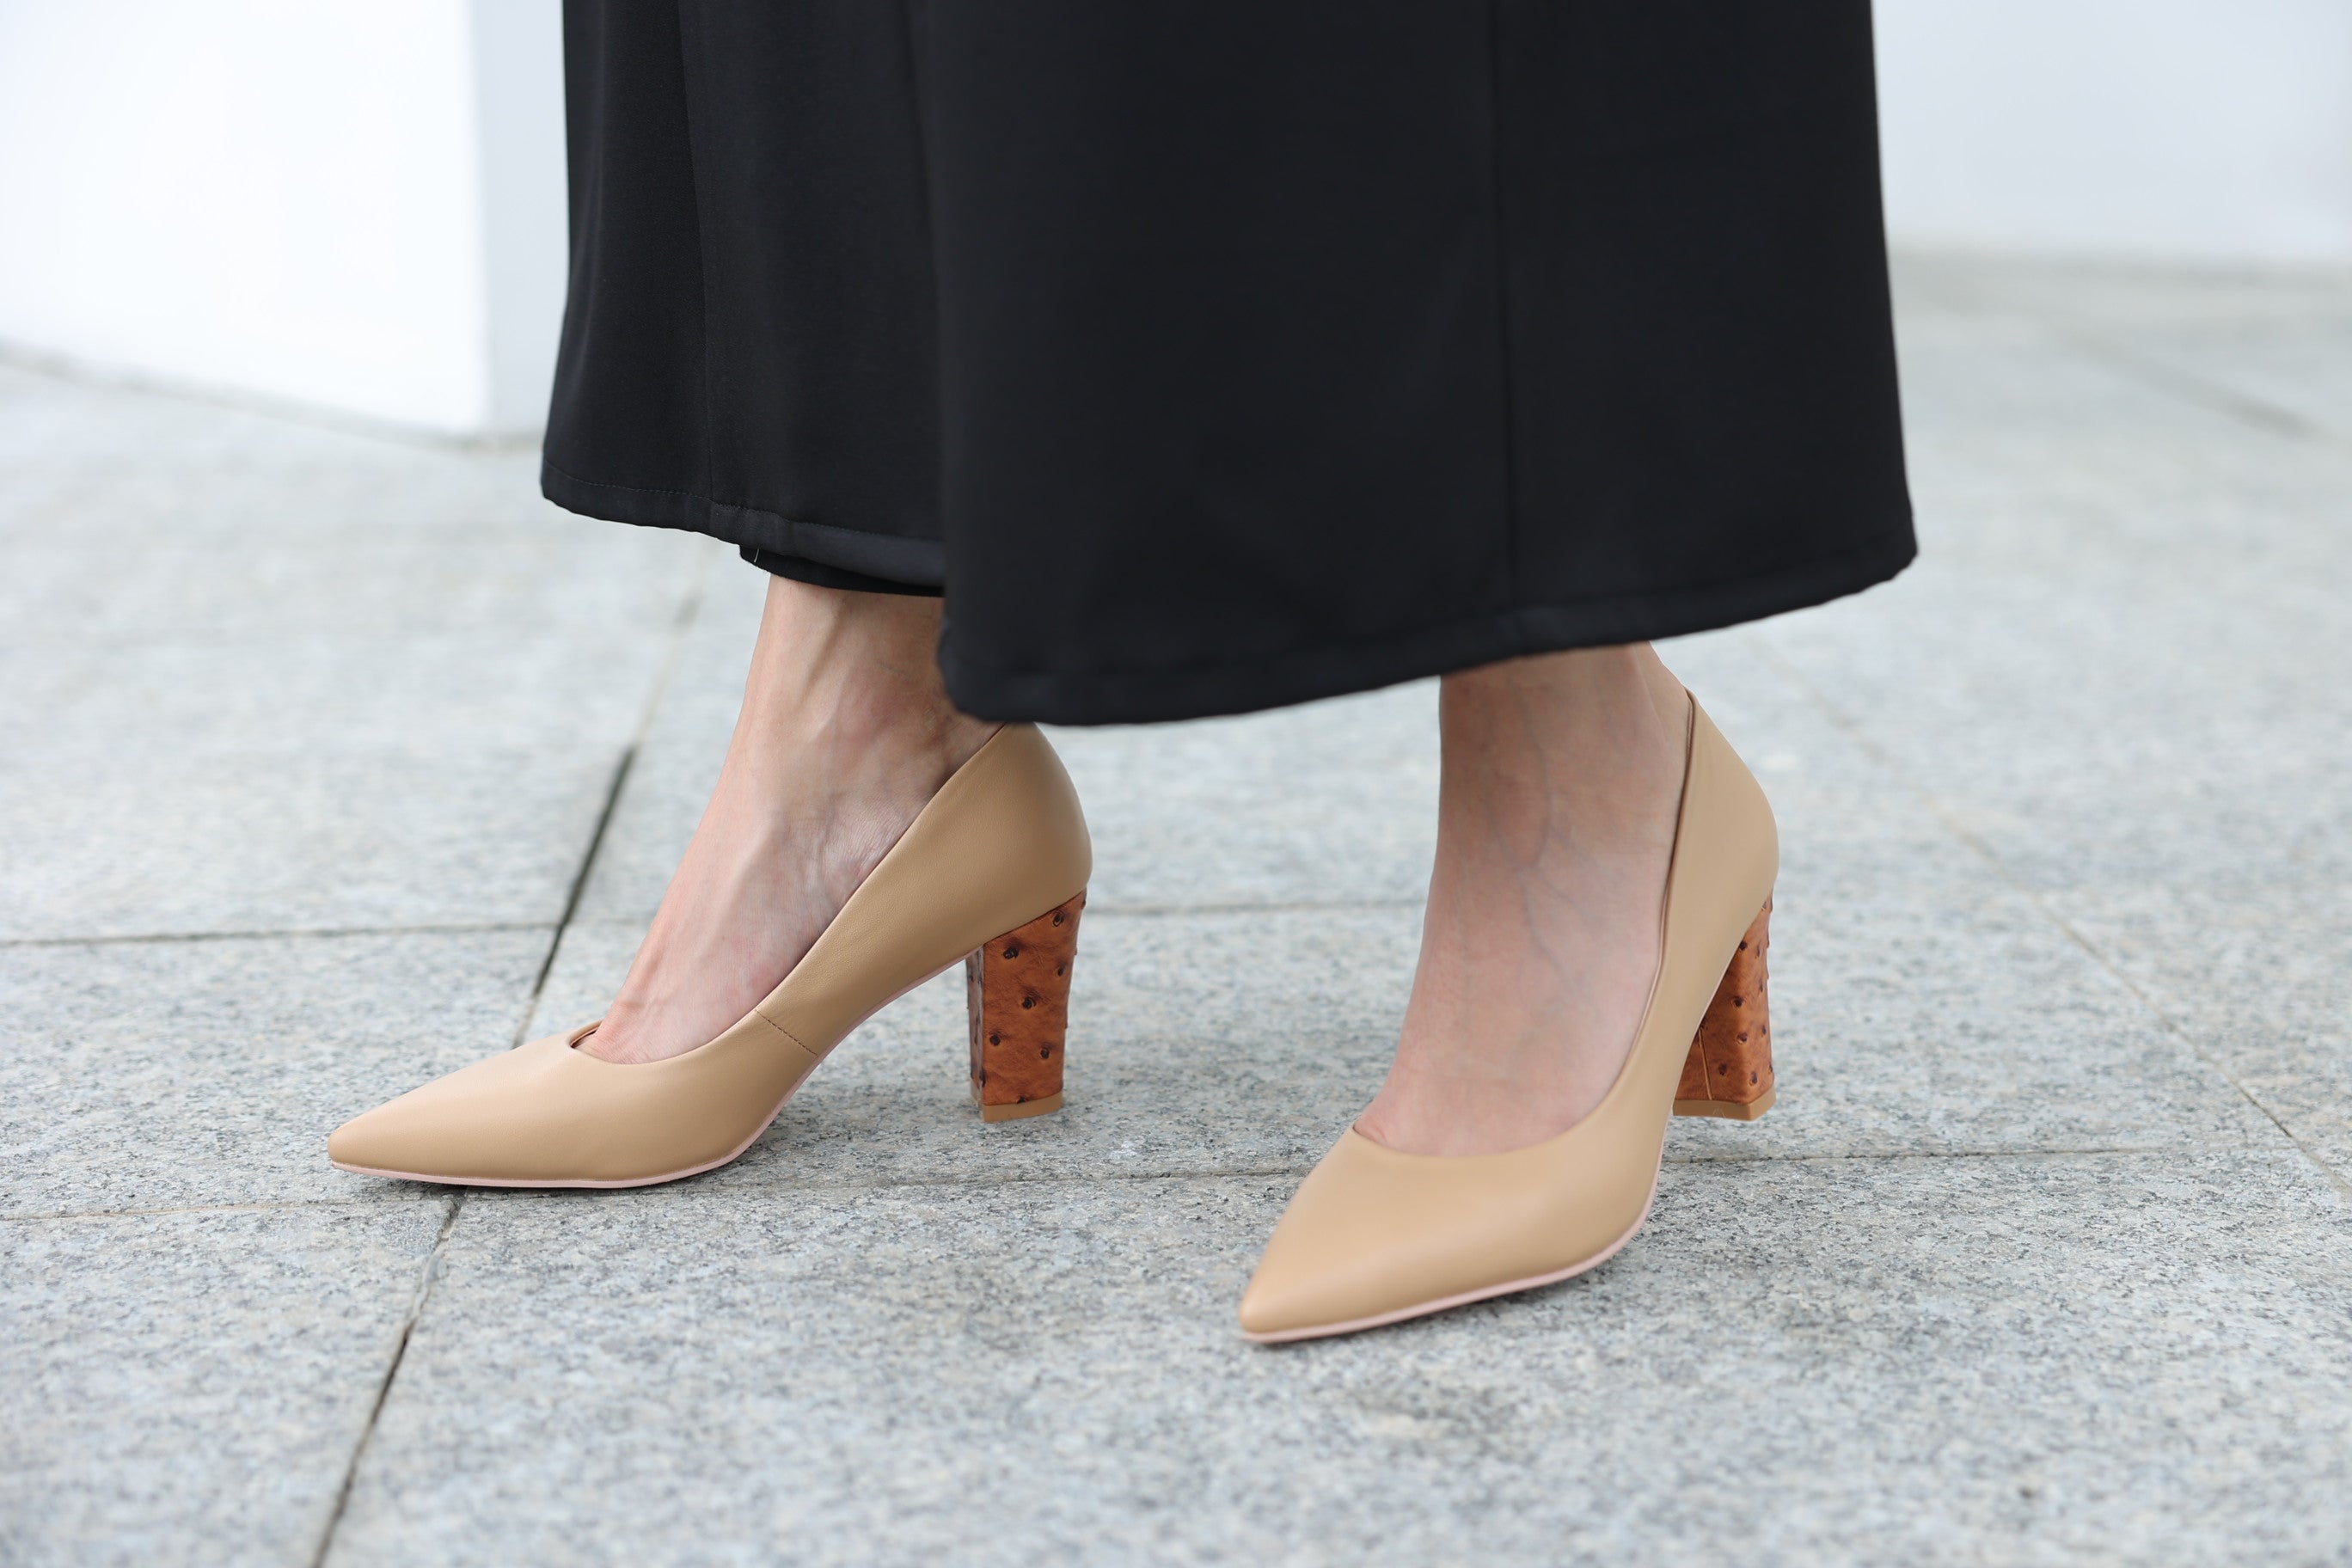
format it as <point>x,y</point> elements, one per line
<point>994,872</point>
<point>1375,1237</point>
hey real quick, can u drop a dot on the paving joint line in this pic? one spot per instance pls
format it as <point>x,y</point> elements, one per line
<point>1963,295</point>
<point>383,1390</point>
<point>901,1184</point>
<point>288,1206</point>
<point>1898,1155</point>
<point>681,624</point>
<point>1014,1180</point>
<point>471,928</point>
<point>1839,720</point>
<point>969,1183</point>
<point>579,887</point>
<point>2188,386</point>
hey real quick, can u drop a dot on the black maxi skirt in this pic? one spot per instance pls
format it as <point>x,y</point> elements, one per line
<point>1215,355</point>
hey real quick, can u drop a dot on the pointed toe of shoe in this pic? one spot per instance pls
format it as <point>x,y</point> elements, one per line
<point>1310,1284</point>
<point>1338,1260</point>
<point>1285,1302</point>
<point>546,1115</point>
<point>1375,1237</point>
<point>411,1137</point>
<point>367,1142</point>
<point>493,1123</point>
<point>1273,1305</point>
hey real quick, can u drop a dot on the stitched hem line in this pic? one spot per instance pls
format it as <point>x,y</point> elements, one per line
<point>1506,361</point>
<point>919,563</point>
<point>1306,675</point>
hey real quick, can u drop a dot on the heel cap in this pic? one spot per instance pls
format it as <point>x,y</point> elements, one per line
<point>1020,1109</point>
<point>1729,1110</point>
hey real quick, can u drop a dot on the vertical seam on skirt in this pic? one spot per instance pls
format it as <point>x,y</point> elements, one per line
<point>702,253</point>
<point>908,24</point>
<point>911,25</point>
<point>1503,358</point>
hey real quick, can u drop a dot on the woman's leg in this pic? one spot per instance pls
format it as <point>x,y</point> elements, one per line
<point>846,732</point>
<point>1560,784</point>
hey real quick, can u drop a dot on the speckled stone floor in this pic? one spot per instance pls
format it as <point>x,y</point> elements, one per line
<point>329,761</point>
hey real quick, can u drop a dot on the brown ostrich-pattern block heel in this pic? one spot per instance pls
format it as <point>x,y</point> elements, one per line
<point>1017,994</point>
<point>1729,1070</point>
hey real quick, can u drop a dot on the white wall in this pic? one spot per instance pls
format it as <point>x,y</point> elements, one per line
<point>2216,129</point>
<point>290,198</point>
<point>519,109</point>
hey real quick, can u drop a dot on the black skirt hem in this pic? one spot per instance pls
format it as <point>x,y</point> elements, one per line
<point>802,570</point>
<point>919,563</point>
<point>1306,675</point>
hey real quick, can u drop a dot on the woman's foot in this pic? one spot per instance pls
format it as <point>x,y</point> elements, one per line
<point>846,733</point>
<point>1560,782</point>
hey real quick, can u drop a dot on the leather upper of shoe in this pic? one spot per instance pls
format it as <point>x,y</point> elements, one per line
<point>1374,1234</point>
<point>1001,842</point>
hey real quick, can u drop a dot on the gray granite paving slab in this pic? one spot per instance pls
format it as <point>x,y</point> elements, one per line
<point>427,693</point>
<point>310,783</point>
<point>2116,661</point>
<point>2083,742</point>
<point>1848,822</point>
<point>2279,342</point>
<point>2263,989</point>
<point>1941,1361</point>
<point>2092,292</point>
<point>2012,429</point>
<point>2136,714</point>
<point>121,533</point>
<point>380,554</point>
<point>158,843</point>
<point>188,1388</point>
<point>2294,375</point>
<point>324,684</point>
<point>1962,1025</point>
<point>169,1075</point>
